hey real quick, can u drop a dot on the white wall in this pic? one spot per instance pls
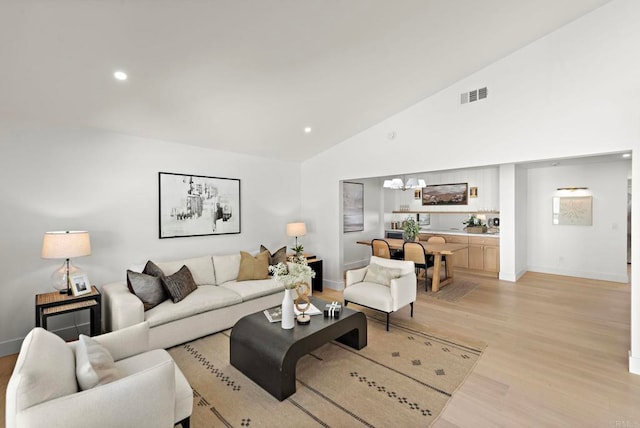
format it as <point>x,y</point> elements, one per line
<point>597,251</point>
<point>56,179</point>
<point>567,94</point>
<point>357,255</point>
<point>571,93</point>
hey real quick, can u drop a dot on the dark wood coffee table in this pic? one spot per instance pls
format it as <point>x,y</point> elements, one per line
<point>268,355</point>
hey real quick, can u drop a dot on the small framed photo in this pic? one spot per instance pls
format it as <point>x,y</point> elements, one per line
<point>80,284</point>
<point>473,192</point>
<point>417,194</point>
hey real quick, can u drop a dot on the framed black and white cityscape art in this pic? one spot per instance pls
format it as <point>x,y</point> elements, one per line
<point>352,207</point>
<point>196,205</point>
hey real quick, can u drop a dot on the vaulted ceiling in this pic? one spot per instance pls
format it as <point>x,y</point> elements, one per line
<point>250,75</point>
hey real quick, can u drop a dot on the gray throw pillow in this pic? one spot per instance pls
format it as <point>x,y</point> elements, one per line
<point>152,269</point>
<point>180,284</point>
<point>279,256</point>
<point>148,288</point>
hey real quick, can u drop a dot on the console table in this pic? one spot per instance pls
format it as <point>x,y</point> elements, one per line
<point>54,303</point>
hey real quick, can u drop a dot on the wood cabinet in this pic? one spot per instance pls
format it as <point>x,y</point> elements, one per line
<point>484,254</point>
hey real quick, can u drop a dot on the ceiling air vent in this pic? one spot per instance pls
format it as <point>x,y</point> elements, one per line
<point>475,95</point>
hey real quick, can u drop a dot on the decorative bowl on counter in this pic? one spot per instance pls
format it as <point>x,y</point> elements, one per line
<point>476,229</point>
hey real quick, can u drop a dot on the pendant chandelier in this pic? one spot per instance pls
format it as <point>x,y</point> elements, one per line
<point>397,184</point>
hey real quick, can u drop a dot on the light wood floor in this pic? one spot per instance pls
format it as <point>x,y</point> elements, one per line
<point>556,355</point>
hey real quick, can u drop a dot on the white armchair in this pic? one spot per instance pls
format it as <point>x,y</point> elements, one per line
<point>43,390</point>
<point>385,285</point>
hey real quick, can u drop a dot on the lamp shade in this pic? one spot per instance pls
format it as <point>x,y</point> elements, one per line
<point>296,229</point>
<point>65,245</point>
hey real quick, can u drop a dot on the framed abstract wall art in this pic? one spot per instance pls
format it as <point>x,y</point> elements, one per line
<point>196,205</point>
<point>352,207</point>
<point>572,210</point>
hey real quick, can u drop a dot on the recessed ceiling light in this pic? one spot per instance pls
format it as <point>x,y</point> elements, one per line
<point>120,75</point>
<point>626,155</point>
<point>307,129</point>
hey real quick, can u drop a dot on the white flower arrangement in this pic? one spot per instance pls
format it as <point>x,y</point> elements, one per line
<point>293,273</point>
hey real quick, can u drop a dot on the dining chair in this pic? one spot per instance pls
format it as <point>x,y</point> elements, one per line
<point>414,251</point>
<point>429,269</point>
<point>380,248</point>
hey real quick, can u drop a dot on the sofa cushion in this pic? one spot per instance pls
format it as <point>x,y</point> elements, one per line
<point>255,288</point>
<point>381,275</point>
<point>148,288</point>
<point>94,364</point>
<point>180,284</point>
<point>253,267</point>
<point>45,370</point>
<point>279,256</point>
<point>201,269</point>
<point>226,267</point>
<point>205,298</point>
<point>369,294</point>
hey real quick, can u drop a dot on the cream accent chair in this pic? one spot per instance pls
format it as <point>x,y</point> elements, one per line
<point>401,291</point>
<point>43,390</point>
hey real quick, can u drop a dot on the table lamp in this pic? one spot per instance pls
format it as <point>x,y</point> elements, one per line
<point>296,229</point>
<point>65,245</point>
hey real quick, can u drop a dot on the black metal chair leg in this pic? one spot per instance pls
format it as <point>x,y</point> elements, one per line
<point>411,309</point>
<point>387,321</point>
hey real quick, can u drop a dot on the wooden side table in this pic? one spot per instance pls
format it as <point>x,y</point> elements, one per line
<point>54,303</point>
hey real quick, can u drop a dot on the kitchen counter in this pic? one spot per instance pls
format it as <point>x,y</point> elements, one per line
<point>458,232</point>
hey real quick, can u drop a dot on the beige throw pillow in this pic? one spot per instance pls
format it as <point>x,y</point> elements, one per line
<point>253,267</point>
<point>381,275</point>
<point>94,364</point>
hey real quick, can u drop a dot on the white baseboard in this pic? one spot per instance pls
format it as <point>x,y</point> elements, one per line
<point>503,276</point>
<point>12,346</point>
<point>334,285</point>
<point>581,274</point>
<point>634,364</point>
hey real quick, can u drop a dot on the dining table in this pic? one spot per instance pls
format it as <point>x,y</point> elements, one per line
<point>446,249</point>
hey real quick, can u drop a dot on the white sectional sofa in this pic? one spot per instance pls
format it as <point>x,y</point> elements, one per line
<point>217,303</point>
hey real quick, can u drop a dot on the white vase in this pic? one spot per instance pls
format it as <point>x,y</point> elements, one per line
<point>288,316</point>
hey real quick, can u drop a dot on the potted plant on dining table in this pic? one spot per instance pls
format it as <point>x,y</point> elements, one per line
<point>410,229</point>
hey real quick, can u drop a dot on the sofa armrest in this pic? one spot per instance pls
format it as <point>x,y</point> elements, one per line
<point>355,275</point>
<point>122,308</point>
<point>126,342</point>
<point>403,290</point>
<point>143,399</point>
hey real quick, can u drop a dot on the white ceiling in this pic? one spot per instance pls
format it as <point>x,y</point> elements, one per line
<point>248,76</point>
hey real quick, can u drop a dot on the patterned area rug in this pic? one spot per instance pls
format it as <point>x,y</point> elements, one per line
<point>453,292</point>
<point>404,377</point>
